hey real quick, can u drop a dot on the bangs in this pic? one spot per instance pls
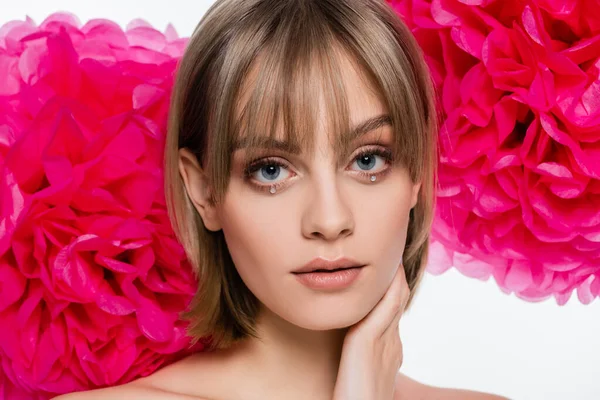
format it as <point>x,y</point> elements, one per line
<point>284,92</point>
<point>277,78</point>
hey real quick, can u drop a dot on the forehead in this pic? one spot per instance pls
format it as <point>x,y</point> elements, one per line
<point>317,87</point>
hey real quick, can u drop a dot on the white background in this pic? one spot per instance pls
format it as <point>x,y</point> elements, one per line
<point>461,332</point>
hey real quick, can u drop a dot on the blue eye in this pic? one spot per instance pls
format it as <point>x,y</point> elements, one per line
<point>267,173</point>
<point>267,169</point>
<point>270,171</point>
<point>368,159</point>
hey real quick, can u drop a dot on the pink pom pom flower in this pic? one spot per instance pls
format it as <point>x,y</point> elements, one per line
<point>92,278</point>
<point>519,168</point>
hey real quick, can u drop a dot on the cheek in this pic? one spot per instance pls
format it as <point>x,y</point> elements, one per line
<point>384,219</point>
<point>256,235</point>
<point>382,229</point>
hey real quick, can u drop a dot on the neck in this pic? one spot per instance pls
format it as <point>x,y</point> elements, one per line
<point>289,361</point>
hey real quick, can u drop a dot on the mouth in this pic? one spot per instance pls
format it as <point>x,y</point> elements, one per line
<point>334,278</point>
<point>323,265</point>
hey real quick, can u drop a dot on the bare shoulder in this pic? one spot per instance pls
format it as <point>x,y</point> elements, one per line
<point>168,383</point>
<point>130,391</point>
<point>409,389</point>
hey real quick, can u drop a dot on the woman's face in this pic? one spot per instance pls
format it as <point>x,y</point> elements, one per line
<point>319,210</point>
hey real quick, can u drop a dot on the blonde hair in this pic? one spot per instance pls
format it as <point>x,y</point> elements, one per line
<point>289,38</point>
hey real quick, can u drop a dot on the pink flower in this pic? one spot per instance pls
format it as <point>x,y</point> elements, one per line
<point>92,277</point>
<point>519,183</point>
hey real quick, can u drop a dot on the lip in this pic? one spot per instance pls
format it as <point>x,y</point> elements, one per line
<point>328,265</point>
<point>335,280</point>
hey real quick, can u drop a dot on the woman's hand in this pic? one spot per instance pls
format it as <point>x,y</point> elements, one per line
<point>372,349</point>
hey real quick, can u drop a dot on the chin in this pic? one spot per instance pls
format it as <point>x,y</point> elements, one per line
<point>328,318</point>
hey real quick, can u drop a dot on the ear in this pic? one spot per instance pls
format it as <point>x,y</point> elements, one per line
<point>415,194</point>
<point>197,189</point>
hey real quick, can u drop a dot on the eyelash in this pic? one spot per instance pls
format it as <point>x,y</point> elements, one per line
<point>257,164</point>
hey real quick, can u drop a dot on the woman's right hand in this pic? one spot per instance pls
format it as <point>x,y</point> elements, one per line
<point>372,349</point>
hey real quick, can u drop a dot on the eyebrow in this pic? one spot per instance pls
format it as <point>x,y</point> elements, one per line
<point>357,131</point>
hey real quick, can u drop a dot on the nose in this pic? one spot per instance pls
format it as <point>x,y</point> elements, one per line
<point>327,214</point>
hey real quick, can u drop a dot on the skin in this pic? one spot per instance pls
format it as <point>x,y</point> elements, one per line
<point>319,210</point>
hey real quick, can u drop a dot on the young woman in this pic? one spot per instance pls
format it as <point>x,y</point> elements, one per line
<point>302,137</point>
